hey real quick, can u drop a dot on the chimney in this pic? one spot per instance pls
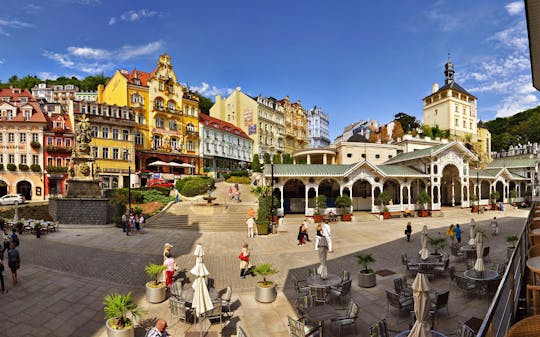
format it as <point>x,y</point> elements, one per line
<point>124,71</point>
<point>434,88</point>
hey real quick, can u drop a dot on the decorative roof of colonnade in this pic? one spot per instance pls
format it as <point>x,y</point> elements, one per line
<point>431,152</point>
<point>514,162</point>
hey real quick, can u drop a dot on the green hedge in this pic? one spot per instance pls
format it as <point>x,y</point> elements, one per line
<point>239,180</point>
<point>241,173</point>
<point>192,186</point>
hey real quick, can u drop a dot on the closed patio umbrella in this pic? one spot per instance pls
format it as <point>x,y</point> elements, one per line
<point>422,303</point>
<point>323,254</point>
<point>479,264</point>
<point>424,252</point>
<point>201,297</point>
<point>472,232</point>
<point>158,163</point>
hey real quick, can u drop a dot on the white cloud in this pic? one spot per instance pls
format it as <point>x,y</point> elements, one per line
<point>133,15</point>
<point>513,37</point>
<point>45,75</point>
<point>515,8</point>
<point>207,90</point>
<point>446,22</point>
<point>2,61</point>
<point>32,8</point>
<point>12,24</point>
<point>514,104</point>
<point>97,60</point>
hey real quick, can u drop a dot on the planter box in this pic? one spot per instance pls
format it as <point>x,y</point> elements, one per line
<point>367,280</point>
<point>156,295</point>
<point>127,332</point>
<point>387,215</point>
<point>262,229</point>
<point>317,218</point>
<point>474,209</point>
<point>265,295</point>
<point>423,213</point>
<point>346,217</point>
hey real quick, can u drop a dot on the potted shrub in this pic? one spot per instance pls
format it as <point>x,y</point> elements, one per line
<point>35,168</point>
<point>384,198</point>
<point>320,202</point>
<point>117,308</point>
<point>37,229</point>
<point>155,290</point>
<point>11,167</point>
<point>494,196</point>
<point>366,277</point>
<point>474,203</point>
<point>423,199</point>
<point>344,202</point>
<point>437,243</point>
<point>513,195</point>
<point>511,240</point>
<point>265,290</point>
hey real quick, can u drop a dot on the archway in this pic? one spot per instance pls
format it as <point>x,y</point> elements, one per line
<point>361,195</point>
<point>330,188</point>
<point>346,192</point>
<point>311,194</point>
<point>392,187</point>
<point>25,188</point>
<point>294,196</point>
<point>485,190</point>
<point>417,186</point>
<point>499,187</point>
<point>450,186</point>
<point>3,188</point>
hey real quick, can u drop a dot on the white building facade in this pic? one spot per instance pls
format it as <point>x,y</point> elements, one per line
<point>318,128</point>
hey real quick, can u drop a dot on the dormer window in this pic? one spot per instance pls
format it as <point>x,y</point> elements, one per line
<point>27,115</point>
<point>6,99</point>
<point>136,81</point>
<point>24,99</point>
<point>10,114</point>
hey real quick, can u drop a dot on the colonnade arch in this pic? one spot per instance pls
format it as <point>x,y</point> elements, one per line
<point>294,192</point>
<point>329,188</point>
<point>392,187</point>
<point>362,195</point>
<point>451,186</point>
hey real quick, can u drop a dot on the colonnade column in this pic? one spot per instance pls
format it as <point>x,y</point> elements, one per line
<point>308,159</point>
<point>372,197</point>
<point>281,199</point>
<point>324,159</point>
<point>401,195</point>
<point>306,191</point>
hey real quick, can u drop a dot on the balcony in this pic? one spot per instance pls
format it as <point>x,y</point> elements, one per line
<point>58,149</point>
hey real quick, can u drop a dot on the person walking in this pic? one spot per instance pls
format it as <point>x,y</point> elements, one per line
<point>244,260</point>
<point>457,232</point>
<point>141,221</point>
<point>169,268</point>
<point>124,221</point>
<point>494,226</point>
<point>131,224</point>
<point>305,229</point>
<point>408,231</point>
<point>301,237</point>
<point>450,232</point>
<point>327,233</point>
<point>159,330</point>
<point>14,261</point>
<point>250,222</point>
<point>318,236</point>
<point>166,250</point>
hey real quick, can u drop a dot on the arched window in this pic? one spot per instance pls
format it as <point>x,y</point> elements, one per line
<point>159,122</point>
<point>171,105</point>
<point>159,103</point>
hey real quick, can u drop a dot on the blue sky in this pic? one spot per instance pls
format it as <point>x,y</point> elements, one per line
<point>355,59</point>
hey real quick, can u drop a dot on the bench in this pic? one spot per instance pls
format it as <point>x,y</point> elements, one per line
<point>397,214</point>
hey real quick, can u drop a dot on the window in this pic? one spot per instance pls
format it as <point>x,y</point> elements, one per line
<point>115,133</point>
<point>35,137</point>
<point>125,155</point>
<point>59,141</point>
<point>22,137</point>
<point>190,146</point>
<point>171,105</point>
<point>156,142</point>
<point>125,135</point>
<point>138,138</point>
<point>58,161</point>
<point>125,114</point>
<point>172,125</point>
<point>174,143</point>
<point>23,159</point>
<point>11,137</point>
<point>136,98</point>
<point>83,109</point>
<point>349,155</point>
<point>11,159</point>
<point>50,161</point>
<point>1,140</point>
<point>95,151</point>
<point>27,115</point>
<point>377,156</point>
<point>159,103</point>
<point>363,155</point>
<point>94,110</point>
<point>35,159</point>
<point>457,122</point>
<point>159,122</point>
<point>68,142</point>
<point>49,141</point>
<point>464,124</point>
<point>105,132</point>
<point>141,119</point>
<point>390,156</point>
<point>115,154</point>
<point>105,153</point>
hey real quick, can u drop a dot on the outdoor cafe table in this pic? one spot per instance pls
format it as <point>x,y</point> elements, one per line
<point>187,294</point>
<point>321,313</point>
<point>433,333</point>
<point>533,263</point>
<point>485,275</point>
<point>317,281</point>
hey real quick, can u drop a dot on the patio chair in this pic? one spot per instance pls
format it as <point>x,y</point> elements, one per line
<point>301,329</point>
<point>464,331</point>
<point>319,294</point>
<point>441,302</point>
<point>345,275</point>
<point>210,283</point>
<point>215,313</point>
<point>454,250</point>
<point>441,268</point>
<point>240,332</point>
<point>302,303</point>
<point>430,319</point>
<point>397,301</point>
<point>343,292</point>
<point>427,268</point>
<point>404,259</point>
<point>470,254</point>
<point>380,329</point>
<point>468,286</point>
<point>401,289</point>
<point>179,310</point>
<point>300,286</point>
<point>312,271</point>
<point>412,267</point>
<point>349,319</point>
<point>226,300</point>
<point>533,299</point>
<point>176,289</point>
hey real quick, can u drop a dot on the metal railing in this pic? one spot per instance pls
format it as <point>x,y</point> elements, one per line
<point>502,310</point>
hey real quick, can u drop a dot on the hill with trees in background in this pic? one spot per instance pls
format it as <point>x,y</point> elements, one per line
<point>520,128</point>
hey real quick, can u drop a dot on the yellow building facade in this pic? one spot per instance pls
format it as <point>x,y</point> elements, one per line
<point>296,125</point>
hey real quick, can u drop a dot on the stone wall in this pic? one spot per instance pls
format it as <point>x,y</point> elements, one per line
<point>81,211</point>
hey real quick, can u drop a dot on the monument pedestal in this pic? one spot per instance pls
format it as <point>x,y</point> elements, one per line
<point>83,188</point>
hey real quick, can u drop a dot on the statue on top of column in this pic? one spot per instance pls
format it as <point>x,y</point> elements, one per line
<point>83,136</point>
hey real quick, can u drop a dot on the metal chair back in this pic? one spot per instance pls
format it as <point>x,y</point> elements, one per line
<point>380,329</point>
<point>319,294</point>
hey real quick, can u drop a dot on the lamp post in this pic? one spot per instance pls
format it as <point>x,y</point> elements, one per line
<point>129,189</point>
<point>478,189</point>
<point>272,188</point>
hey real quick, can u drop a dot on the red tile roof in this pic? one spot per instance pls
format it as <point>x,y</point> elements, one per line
<point>59,116</point>
<point>15,95</point>
<point>141,75</point>
<point>208,121</point>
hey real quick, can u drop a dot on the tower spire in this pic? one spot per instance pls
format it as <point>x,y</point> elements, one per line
<point>449,71</point>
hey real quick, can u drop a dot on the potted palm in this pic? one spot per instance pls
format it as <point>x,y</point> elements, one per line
<point>494,196</point>
<point>423,199</point>
<point>511,240</point>
<point>155,290</point>
<point>474,203</point>
<point>265,290</point>
<point>117,309</point>
<point>320,202</point>
<point>366,277</point>
<point>384,198</point>
<point>437,243</point>
<point>344,202</point>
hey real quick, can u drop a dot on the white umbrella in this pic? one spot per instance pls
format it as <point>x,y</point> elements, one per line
<point>323,254</point>
<point>201,297</point>
<point>422,304</point>
<point>424,252</point>
<point>472,232</point>
<point>479,264</point>
<point>157,163</point>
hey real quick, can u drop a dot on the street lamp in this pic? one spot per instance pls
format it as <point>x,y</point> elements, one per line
<point>129,189</point>
<point>477,191</point>
<point>272,149</point>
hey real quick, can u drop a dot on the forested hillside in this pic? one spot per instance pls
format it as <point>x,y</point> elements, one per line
<point>521,128</point>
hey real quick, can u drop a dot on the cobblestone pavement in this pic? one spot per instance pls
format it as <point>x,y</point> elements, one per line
<point>65,275</point>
